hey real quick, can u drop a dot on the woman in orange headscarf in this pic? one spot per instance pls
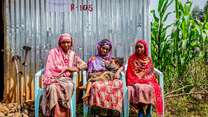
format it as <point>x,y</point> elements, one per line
<point>141,81</point>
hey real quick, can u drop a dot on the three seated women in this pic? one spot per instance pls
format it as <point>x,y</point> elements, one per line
<point>104,89</point>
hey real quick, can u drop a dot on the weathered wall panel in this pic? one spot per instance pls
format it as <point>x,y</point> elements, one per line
<point>37,23</point>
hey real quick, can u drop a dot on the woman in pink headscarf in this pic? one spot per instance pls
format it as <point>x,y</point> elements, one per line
<point>141,81</point>
<point>61,62</point>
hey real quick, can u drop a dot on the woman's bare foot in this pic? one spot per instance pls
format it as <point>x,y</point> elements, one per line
<point>145,109</point>
<point>133,109</point>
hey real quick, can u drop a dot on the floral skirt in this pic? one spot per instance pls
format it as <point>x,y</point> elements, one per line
<point>107,94</point>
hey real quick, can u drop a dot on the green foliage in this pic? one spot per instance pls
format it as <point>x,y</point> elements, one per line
<point>197,13</point>
<point>160,42</point>
<point>186,37</point>
<point>206,11</point>
<point>182,56</point>
<point>185,106</point>
<point>188,40</point>
<point>197,76</point>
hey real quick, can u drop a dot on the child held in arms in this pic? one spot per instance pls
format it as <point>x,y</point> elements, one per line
<point>112,66</point>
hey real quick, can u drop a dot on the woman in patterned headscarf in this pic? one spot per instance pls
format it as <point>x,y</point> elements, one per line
<point>142,84</point>
<point>61,62</point>
<point>108,93</point>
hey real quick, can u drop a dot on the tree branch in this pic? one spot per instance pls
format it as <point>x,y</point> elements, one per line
<point>178,90</point>
<point>182,94</point>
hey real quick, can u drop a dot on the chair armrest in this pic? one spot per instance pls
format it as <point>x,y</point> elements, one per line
<point>74,78</point>
<point>161,77</point>
<point>37,78</point>
<point>84,82</point>
<point>84,77</point>
<point>123,78</point>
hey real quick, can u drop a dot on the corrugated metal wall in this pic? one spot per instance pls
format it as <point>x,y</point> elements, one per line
<point>37,23</point>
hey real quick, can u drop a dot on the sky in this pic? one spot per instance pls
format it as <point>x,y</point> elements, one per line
<point>154,3</point>
<point>171,18</point>
<point>199,3</point>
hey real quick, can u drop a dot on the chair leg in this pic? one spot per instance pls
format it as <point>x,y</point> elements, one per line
<point>85,106</point>
<point>73,104</point>
<point>37,102</point>
<point>126,105</point>
<point>122,114</point>
<point>85,110</point>
<point>72,108</point>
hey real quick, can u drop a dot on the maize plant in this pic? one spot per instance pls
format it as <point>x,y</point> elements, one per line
<point>188,40</point>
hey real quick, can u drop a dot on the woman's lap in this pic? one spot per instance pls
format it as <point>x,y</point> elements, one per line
<point>107,94</point>
<point>141,93</point>
<point>57,92</point>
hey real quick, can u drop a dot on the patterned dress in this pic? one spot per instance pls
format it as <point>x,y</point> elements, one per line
<point>57,82</point>
<point>107,93</point>
<point>141,80</point>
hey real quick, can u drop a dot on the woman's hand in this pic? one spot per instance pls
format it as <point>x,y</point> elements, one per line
<point>141,74</point>
<point>82,66</point>
<point>73,69</point>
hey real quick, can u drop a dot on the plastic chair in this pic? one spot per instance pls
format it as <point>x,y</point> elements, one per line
<point>39,91</point>
<point>126,102</point>
<point>125,107</point>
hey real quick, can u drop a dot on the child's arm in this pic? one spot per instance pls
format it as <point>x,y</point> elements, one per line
<point>95,74</point>
<point>117,74</point>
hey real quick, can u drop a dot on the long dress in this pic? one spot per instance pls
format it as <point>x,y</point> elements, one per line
<point>58,84</point>
<point>105,94</point>
<point>144,89</point>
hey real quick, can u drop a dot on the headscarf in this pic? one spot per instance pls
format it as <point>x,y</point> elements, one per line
<point>143,42</point>
<point>139,63</point>
<point>143,63</point>
<point>102,43</point>
<point>58,62</point>
<point>96,63</point>
<point>67,37</point>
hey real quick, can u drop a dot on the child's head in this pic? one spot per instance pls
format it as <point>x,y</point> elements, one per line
<point>118,61</point>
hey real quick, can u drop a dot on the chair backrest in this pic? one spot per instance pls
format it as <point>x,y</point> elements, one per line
<point>161,82</point>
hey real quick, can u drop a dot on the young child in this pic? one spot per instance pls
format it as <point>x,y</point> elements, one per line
<point>111,67</point>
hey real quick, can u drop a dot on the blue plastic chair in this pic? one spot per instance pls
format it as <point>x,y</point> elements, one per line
<point>126,102</point>
<point>39,91</point>
<point>125,107</point>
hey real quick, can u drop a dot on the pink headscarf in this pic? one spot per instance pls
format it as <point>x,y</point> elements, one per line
<point>65,36</point>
